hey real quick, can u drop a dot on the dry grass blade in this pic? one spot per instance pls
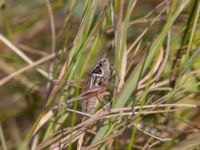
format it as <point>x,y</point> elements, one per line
<point>21,54</point>
<point>32,65</point>
<point>63,139</point>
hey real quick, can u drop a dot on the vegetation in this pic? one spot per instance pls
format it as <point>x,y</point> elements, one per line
<point>48,49</point>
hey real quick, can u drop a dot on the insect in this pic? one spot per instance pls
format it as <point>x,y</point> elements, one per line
<point>98,77</point>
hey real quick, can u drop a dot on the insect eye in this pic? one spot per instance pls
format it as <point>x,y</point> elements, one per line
<point>101,62</point>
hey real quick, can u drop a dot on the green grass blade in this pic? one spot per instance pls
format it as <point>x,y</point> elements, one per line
<point>2,139</point>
